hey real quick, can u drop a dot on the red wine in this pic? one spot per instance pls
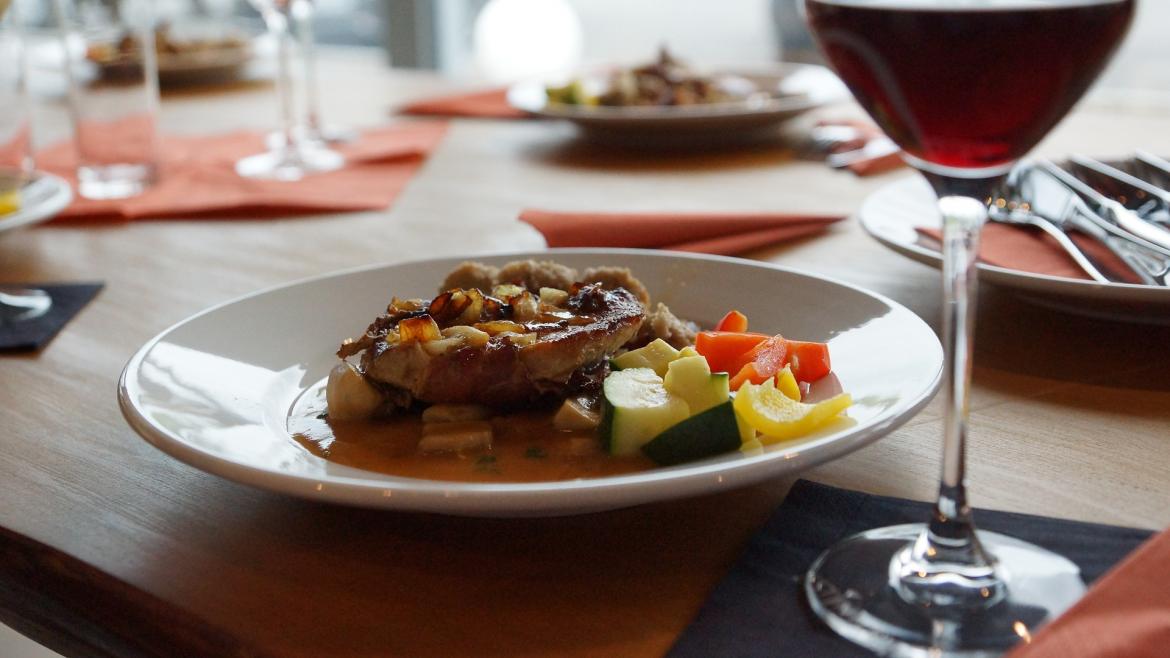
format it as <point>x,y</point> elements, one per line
<point>974,85</point>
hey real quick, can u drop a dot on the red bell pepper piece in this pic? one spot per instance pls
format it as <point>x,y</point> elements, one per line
<point>761,363</point>
<point>733,321</point>
<point>809,361</point>
<point>723,349</point>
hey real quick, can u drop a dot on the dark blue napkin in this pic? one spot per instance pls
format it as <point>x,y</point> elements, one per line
<point>33,334</point>
<point>758,609</point>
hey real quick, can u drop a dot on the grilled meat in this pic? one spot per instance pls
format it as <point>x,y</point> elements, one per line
<point>507,349</point>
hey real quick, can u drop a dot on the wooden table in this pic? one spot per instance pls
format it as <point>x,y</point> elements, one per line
<point>109,547</point>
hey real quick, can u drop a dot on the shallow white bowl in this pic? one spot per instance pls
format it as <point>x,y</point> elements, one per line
<point>215,390</point>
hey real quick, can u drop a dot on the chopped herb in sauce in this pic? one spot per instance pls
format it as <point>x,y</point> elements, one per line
<point>486,464</point>
<point>323,415</point>
<point>535,452</point>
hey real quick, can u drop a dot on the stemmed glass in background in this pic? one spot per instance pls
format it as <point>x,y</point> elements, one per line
<point>16,165</point>
<point>965,88</point>
<point>294,155</point>
<point>315,129</point>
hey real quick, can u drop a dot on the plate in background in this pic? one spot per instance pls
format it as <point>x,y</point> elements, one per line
<point>796,89</point>
<point>42,197</point>
<point>892,214</point>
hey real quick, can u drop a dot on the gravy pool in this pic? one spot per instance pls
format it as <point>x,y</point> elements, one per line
<point>525,447</point>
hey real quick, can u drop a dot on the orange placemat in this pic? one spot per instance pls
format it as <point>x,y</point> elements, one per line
<point>485,104</point>
<point>198,177</point>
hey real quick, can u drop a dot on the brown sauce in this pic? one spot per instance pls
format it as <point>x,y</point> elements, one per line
<point>525,447</point>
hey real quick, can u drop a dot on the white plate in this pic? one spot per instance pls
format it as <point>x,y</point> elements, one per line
<point>798,88</point>
<point>215,390</point>
<point>42,197</point>
<point>892,213</point>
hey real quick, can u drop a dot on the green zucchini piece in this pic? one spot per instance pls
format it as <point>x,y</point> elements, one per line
<point>710,433</point>
<point>635,409</point>
<point>655,356</point>
<point>690,378</point>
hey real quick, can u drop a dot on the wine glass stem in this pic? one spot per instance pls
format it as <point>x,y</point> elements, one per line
<point>302,11</point>
<point>278,25</point>
<point>947,565</point>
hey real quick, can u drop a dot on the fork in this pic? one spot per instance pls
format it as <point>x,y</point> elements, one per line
<point>1149,201</point>
<point>1031,185</point>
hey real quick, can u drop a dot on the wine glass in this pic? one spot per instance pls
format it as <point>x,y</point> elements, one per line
<point>965,88</point>
<point>315,129</point>
<point>293,156</point>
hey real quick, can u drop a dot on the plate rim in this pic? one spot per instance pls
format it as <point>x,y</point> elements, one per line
<point>1017,279</point>
<point>778,106</point>
<point>60,199</point>
<point>513,499</point>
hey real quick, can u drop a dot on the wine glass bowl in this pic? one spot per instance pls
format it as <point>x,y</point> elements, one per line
<point>965,88</point>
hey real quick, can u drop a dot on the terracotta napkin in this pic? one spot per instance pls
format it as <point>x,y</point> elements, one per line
<point>1031,250</point>
<point>486,104</point>
<point>1126,614</point>
<point>198,177</point>
<point>712,233</point>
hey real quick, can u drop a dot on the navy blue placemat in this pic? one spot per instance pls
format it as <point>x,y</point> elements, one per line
<point>758,609</point>
<point>33,334</point>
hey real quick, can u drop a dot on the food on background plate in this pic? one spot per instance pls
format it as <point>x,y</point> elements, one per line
<point>536,371</point>
<point>10,200</point>
<point>173,49</point>
<point>664,82</point>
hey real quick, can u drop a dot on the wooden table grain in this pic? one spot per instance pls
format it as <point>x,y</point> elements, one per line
<point>110,548</point>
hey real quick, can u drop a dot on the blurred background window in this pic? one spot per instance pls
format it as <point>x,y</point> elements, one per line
<point>501,40</point>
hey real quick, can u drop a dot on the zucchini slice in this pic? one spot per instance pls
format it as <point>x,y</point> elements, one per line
<point>710,433</point>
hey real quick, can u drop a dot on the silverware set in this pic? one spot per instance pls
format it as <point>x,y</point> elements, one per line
<point>1124,206</point>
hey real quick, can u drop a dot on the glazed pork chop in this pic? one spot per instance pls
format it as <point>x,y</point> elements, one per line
<point>507,349</point>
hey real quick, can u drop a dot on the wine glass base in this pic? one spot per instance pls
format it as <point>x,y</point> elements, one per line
<point>289,164</point>
<point>849,588</point>
<point>23,305</point>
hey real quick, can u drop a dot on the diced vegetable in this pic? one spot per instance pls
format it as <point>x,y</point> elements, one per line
<point>575,416</point>
<point>709,433</point>
<point>553,296</point>
<point>655,356</point>
<point>421,329</point>
<point>810,361</point>
<point>786,383</point>
<point>636,408</point>
<point>456,437</point>
<point>687,351</point>
<point>348,395</point>
<point>733,321</point>
<point>690,378</point>
<point>760,363</point>
<point>723,349</point>
<point>779,417</point>
<point>470,335</point>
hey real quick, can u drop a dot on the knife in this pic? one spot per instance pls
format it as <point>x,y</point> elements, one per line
<point>1147,200</point>
<point>1039,190</point>
<point>1152,168</point>
<point>1141,231</point>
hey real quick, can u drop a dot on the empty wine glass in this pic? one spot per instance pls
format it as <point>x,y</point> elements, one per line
<point>965,88</point>
<point>315,128</point>
<point>292,156</point>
